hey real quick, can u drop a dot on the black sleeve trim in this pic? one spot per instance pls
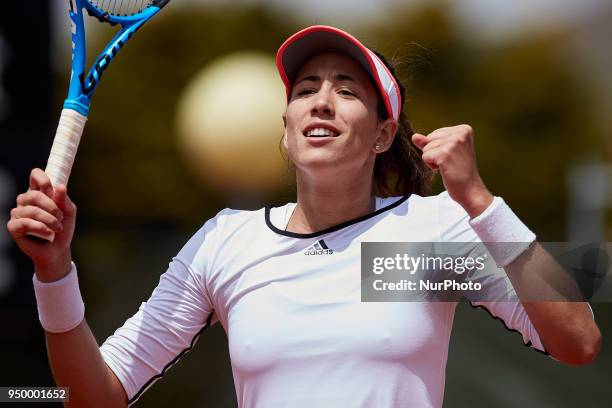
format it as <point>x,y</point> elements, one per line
<point>171,363</point>
<point>528,344</point>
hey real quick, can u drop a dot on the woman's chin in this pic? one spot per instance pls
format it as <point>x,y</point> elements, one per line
<point>315,160</point>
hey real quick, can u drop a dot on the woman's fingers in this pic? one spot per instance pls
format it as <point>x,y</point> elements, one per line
<point>36,198</point>
<point>426,145</point>
<point>436,156</point>
<point>419,140</point>
<point>37,214</point>
<point>433,145</point>
<point>64,202</point>
<point>39,180</point>
<point>42,213</point>
<point>19,227</point>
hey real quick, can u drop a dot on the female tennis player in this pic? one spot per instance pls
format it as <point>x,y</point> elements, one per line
<point>285,283</point>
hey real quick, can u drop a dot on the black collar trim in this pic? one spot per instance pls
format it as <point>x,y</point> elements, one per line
<point>335,227</point>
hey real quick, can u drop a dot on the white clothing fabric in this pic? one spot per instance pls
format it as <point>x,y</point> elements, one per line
<point>298,334</point>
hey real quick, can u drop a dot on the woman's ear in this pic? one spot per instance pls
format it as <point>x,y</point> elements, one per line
<point>386,133</point>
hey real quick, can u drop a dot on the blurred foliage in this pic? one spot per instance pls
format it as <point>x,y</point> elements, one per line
<point>532,119</point>
<point>138,202</point>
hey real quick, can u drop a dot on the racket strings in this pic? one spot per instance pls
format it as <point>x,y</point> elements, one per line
<point>120,7</point>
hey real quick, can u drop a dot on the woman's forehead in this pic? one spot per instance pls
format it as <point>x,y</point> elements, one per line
<point>332,64</point>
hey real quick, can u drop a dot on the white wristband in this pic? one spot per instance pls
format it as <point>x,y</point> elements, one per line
<point>60,306</point>
<point>502,232</point>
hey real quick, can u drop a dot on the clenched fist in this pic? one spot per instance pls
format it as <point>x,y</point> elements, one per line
<point>451,151</point>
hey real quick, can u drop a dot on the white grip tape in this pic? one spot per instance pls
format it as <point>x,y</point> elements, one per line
<point>65,146</point>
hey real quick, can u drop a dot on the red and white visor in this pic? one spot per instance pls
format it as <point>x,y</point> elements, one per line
<point>319,39</point>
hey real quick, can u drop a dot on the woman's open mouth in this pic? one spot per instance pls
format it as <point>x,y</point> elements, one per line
<point>320,132</point>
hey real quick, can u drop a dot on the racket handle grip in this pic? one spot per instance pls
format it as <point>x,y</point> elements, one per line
<point>65,145</point>
<point>63,151</point>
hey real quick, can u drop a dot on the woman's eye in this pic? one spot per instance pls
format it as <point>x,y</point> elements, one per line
<point>346,92</point>
<point>305,92</point>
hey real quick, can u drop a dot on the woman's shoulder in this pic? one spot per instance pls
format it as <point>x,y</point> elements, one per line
<point>439,207</point>
<point>442,199</point>
<point>227,224</point>
<point>232,218</point>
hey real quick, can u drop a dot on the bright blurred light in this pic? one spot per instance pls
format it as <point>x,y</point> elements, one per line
<point>230,124</point>
<point>499,19</point>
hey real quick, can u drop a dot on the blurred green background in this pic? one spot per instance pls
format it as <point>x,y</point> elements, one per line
<point>536,97</point>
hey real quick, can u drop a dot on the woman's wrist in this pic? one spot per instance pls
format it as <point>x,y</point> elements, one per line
<point>502,232</point>
<point>53,271</point>
<point>60,305</point>
<point>476,201</point>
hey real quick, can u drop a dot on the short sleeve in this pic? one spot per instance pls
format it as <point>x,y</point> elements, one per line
<point>167,325</point>
<point>500,300</point>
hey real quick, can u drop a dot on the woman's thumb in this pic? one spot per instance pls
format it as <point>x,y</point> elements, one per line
<point>64,202</point>
<point>419,140</point>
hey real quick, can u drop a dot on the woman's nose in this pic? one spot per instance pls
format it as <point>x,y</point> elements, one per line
<point>323,103</point>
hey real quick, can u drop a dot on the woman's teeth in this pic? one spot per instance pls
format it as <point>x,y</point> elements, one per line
<point>321,132</point>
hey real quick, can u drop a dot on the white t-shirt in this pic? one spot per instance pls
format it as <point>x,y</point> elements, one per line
<point>298,334</point>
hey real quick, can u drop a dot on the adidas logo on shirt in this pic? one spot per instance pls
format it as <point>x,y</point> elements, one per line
<point>318,248</point>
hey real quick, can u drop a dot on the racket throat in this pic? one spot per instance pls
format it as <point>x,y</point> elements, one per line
<point>89,82</point>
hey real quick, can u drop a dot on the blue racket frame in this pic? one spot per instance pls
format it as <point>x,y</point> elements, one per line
<point>83,84</point>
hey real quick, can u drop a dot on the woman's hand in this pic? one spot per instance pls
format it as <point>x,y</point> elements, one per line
<point>43,210</point>
<point>451,151</point>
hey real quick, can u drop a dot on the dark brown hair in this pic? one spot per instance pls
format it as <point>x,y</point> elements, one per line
<point>400,170</point>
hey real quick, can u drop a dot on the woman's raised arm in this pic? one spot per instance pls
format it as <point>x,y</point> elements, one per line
<point>74,355</point>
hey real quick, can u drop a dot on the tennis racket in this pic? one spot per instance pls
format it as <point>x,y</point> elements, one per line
<point>130,15</point>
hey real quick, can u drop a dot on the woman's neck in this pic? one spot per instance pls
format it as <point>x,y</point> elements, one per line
<point>321,206</point>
